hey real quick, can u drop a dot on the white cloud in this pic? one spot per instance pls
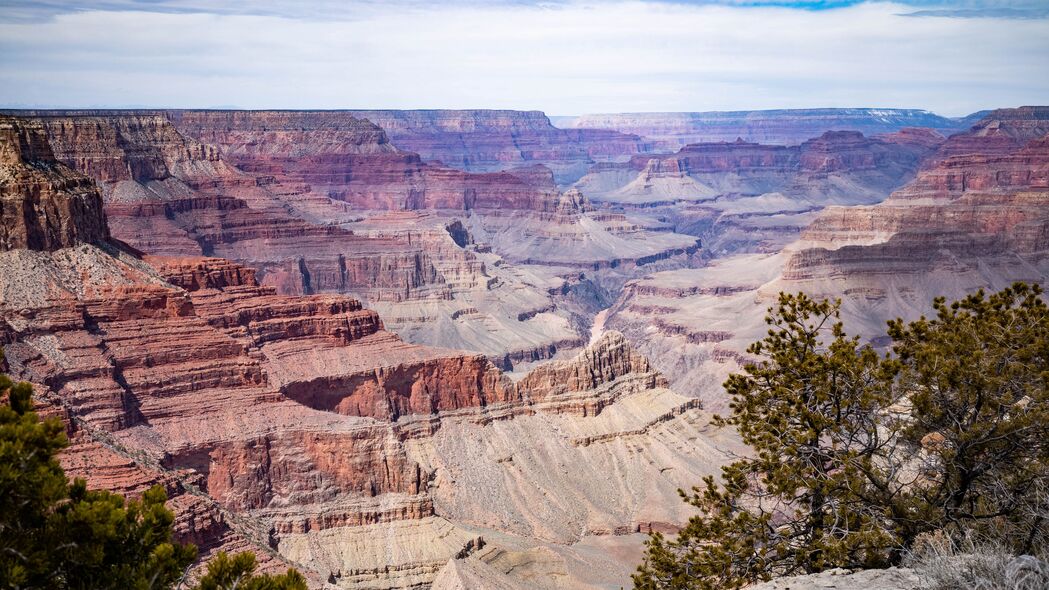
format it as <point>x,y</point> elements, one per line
<point>565,59</point>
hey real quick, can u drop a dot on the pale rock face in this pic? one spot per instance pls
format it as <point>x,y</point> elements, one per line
<point>888,579</point>
<point>742,197</point>
<point>487,140</point>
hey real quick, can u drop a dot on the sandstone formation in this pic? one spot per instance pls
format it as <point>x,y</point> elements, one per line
<point>42,209</point>
<point>487,140</point>
<point>975,216</point>
<point>298,427</point>
<point>780,127</point>
<point>305,198</point>
<point>739,196</point>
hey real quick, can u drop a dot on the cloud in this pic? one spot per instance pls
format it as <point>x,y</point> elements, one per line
<point>561,57</point>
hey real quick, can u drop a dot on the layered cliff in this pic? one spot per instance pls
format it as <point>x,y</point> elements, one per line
<point>487,140</point>
<point>779,127</point>
<point>43,208</point>
<point>980,200</point>
<point>167,194</point>
<point>297,427</point>
<point>975,216</point>
<point>336,155</point>
<point>305,198</point>
<point>740,196</point>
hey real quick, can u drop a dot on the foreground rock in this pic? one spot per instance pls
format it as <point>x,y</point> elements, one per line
<point>890,579</point>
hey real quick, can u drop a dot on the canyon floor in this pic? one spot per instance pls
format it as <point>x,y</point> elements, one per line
<point>464,349</point>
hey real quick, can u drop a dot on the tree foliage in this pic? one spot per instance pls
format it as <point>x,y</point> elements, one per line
<point>855,455</point>
<point>226,573</point>
<point>59,535</point>
<point>977,376</point>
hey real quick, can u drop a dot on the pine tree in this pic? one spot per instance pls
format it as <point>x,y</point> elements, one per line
<point>227,573</point>
<point>810,411</point>
<point>977,376</point>
<point>856,457</point>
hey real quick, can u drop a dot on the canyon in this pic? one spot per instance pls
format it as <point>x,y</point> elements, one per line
<point>778,127</point>
<point>974,217</point>
<point>297,426</point>
<point>323,202</point>
<point>464,349</point>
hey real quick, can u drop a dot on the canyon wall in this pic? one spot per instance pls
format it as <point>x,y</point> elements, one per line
<point>974,217</point>
<point>748,197</point>
<point>488,140</point>
<point>780,127</point>
<point>318,202</point>
<point>297,427</point>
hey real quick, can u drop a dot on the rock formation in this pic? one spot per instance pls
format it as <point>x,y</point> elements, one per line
<point>296,426</point>
<point>975,216</point>
<point>487,141</point>
<point>740,196</point>
<point>43,209</point>
<point>780,127</point>
<point>305,199</point>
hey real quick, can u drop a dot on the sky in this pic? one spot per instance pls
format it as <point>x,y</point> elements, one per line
<point>564,57</point>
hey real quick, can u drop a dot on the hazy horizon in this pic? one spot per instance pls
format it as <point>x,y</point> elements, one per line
<point>564,58</point>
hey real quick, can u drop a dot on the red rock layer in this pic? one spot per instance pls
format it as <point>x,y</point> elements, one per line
<point>43,209</point>
<point>487,140</point>
<point>177,366</point>
<point>345,158</point>
<point>606,361</point>
<point>780,127</point>
<point>834,151</point>
<point>172,195</point>
<point>984,201</point>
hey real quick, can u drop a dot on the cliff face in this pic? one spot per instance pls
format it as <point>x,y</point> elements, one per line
<point>779,127</point>
<point>297,427</point>
<point>42,206</point>
<point>746,197</point>
<point>349,159</point>
<point>979,200</point>
<point>322,202</point>
<point>167,194</point>
<point>975,216</point>
<point>487,141</point>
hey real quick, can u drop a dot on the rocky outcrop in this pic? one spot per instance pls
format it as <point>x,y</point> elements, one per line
<point>886,579</point>
<point>602,363</point>
<point>167,194</point>
<point>974,217</point>
<point>978,202</point>
<point>706,170</point>
<point>779,127</point>
<point>43,206</point>
<point>351,160</point>
<point>314,428</point>
<point>315,202</point>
